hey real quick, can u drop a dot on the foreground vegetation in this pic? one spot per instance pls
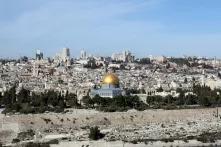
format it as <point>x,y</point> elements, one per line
<point>119,103</point>
<point>27,102</point>
<point>95,133</point>
<point>201,96</point>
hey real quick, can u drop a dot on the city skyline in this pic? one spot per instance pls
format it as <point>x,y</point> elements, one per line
<point>110,73</point>
<point>162,27</point>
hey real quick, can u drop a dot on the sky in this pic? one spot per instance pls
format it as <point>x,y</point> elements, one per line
<point>101,27</point>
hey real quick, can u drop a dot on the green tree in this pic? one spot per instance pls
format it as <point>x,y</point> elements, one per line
<point>52,98</point>
<point>181,99</point>
<point>160,89</point>
<point>9,97</point>
<point>95,133</point>
<point>185,80</point>
<point>36,100</point>
<point>71,100</point>
<point>87,101</point>
<point>204,101</point>
<point>169,99</point>
<point>24,96</point>
<point>191,100</point>
<point>61,103</point>
<point>1,99</point>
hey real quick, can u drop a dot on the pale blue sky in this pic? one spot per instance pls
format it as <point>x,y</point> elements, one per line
<point>158,27</point>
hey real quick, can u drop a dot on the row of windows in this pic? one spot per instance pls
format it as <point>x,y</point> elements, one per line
<point>106,94</point>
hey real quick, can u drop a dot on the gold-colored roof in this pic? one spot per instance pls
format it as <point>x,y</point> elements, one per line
<point>111,78</point>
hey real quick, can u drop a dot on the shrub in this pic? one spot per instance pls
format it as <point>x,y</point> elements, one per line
<point>95,133</point>
<point>28,135</point>
<point>16,140</point>
<point>54,141</point>
<point>31,144</point>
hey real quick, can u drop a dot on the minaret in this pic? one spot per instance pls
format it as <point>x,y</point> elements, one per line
<point>214,64</point>
<point>46,86</point>
<point>203,78</point>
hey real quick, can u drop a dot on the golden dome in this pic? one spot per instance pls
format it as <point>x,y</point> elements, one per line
<point>111,78</point>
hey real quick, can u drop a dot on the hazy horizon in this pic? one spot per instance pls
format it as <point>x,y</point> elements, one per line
<point>101,27</point>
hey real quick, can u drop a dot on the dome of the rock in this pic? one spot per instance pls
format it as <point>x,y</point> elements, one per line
<point>111,79</point>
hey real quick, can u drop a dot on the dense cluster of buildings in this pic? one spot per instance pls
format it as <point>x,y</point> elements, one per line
<point>64,57</point>
<point>125,56</point>
<point>108,76</point>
